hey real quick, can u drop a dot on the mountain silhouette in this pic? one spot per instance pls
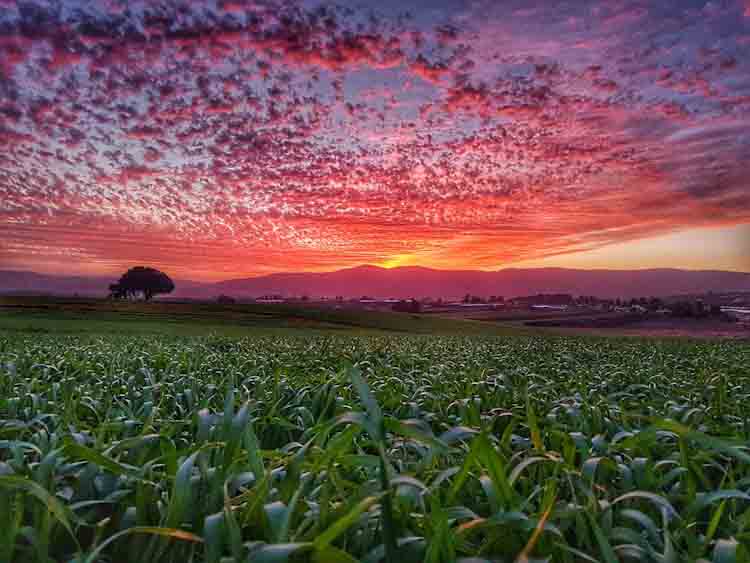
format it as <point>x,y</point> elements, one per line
<point>414,281</point>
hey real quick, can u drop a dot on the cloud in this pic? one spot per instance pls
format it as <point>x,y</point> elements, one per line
<point>272,136</point>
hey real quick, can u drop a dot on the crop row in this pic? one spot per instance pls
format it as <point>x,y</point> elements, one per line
<point>339,449</point>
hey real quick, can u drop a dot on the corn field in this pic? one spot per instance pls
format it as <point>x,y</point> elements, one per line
<point>336,449</point>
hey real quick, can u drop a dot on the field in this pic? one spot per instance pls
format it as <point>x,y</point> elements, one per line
<point>591,322</point>
<point>335,448</point>
<point>96,316</point>
<point>92,316</point>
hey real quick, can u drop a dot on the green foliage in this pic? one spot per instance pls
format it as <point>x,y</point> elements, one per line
<point>373,448</point>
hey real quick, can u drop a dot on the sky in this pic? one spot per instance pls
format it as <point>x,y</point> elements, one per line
<point>233,138</point>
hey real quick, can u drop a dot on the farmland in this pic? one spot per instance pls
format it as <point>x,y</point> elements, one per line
<point>61,315</point>
<point>95,316</point>
<point>329,447</point>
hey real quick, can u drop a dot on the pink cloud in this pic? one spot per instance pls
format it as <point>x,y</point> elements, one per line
<point>309,142</point>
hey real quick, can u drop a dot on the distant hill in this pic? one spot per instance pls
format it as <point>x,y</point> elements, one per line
<point>416,282</point>
<point>31,283</point>
<point>425,282</point>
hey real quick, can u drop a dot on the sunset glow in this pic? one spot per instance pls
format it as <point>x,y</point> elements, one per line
<point>226,139</point>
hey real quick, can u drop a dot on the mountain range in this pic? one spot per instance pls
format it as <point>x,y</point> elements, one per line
<point>412,281</point>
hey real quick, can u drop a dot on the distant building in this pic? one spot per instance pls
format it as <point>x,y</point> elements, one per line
<point>550,307</point>
<point>270,299</point>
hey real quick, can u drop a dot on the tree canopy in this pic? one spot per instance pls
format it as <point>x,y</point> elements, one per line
<point>141,281</point>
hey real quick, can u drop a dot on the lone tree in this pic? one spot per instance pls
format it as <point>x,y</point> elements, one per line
<point>141,281</point>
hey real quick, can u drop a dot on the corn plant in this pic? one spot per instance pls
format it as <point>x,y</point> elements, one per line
<point>373,448</point>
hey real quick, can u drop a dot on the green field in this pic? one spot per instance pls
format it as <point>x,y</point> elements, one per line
<point>326,447</point>
<point>90,316</point>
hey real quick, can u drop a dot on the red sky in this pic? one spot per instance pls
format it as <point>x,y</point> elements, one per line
<point>223,139</point>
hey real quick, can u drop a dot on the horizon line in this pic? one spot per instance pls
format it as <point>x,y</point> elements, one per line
<point>384,268</point>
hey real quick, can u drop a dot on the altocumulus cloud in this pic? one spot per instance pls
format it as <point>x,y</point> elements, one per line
<point>263,135</point>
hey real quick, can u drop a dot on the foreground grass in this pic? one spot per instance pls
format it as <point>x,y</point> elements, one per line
<point>377,448</point>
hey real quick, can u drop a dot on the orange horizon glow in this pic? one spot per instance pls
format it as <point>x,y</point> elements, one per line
<point>692,250</point>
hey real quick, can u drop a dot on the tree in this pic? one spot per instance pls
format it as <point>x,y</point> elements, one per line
<point>141,281</point>
<point>116,291</point>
